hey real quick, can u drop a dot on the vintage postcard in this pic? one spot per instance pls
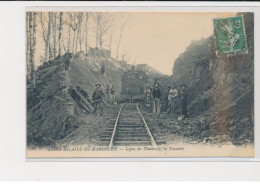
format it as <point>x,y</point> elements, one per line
<point>140,84</point>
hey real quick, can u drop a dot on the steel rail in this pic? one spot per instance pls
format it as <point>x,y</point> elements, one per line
<point>115,126</point>
<point>147,128</point>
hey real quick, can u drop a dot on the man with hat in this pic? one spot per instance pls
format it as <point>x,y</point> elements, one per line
<point>156,97</point>
<point>97,98</point>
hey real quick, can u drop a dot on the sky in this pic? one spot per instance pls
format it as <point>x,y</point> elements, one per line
<point>159,38</point>
<point>156,38</point>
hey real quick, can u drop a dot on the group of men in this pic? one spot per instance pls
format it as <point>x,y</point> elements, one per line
<point>171,99</point>
<point>99,96</point>
<point>151,95</point>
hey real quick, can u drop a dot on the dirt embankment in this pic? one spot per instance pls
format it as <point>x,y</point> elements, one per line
<point>58,105</point>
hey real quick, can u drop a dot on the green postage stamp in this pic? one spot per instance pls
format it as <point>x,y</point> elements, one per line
<point>230,35</point>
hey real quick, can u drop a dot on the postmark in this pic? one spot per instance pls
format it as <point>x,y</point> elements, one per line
<point>230,35</point>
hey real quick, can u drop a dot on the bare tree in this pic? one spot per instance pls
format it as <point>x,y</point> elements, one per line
<point>123,57</point>
<point>86,30</point>
<point>60,31</point>
<point>102,23</point>
<point>32,45</point>
<point>63,45</point>
<point>69,40</point>
<point>110,42</point>
<point>54,33</point>
<point>121,29</point>
<point>28,47</point>
<point>49,35</point>
<point>45,34</point>
<point>79,38</point>
<point>30,40</point>
<point>73,25</point>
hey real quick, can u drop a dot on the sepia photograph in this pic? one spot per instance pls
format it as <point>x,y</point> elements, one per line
<point>139,84</point>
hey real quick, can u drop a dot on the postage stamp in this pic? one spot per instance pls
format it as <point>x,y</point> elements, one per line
<point>230,35</point>
<point>139,84</point>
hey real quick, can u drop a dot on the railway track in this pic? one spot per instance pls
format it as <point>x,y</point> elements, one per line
<point>130,128</point>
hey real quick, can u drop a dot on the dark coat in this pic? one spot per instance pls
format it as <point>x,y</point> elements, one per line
<point>98,94</point>
<point>157,93</point>
<point>66,57</point>
<point>184,94</point>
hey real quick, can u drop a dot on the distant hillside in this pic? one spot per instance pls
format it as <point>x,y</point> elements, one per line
<point>146,68</point>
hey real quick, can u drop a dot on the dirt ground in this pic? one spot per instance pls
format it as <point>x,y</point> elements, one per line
<point>166,129</point>
<point>92,129</point>
<point>161,128</point>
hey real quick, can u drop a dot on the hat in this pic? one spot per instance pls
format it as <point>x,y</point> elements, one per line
<point>98,84</point>
<point>156,83</point>
<point>183,85</point>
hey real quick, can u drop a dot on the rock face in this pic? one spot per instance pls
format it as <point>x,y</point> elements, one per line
<point>220,86</point>
<point>192,69</point>
<point>55,108</point>
<point>233,79</point>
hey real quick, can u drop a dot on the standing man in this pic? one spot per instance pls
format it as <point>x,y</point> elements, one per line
<point>183,101</point>
<point>113,94</point>
<point>147,95</point>
<point>97,98</point>
<point>156,97</point>
<point>102,70</point>
<point>108,93</point>
<point>173,93</point>
<point>166,97</point>
<point>66,60</point>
